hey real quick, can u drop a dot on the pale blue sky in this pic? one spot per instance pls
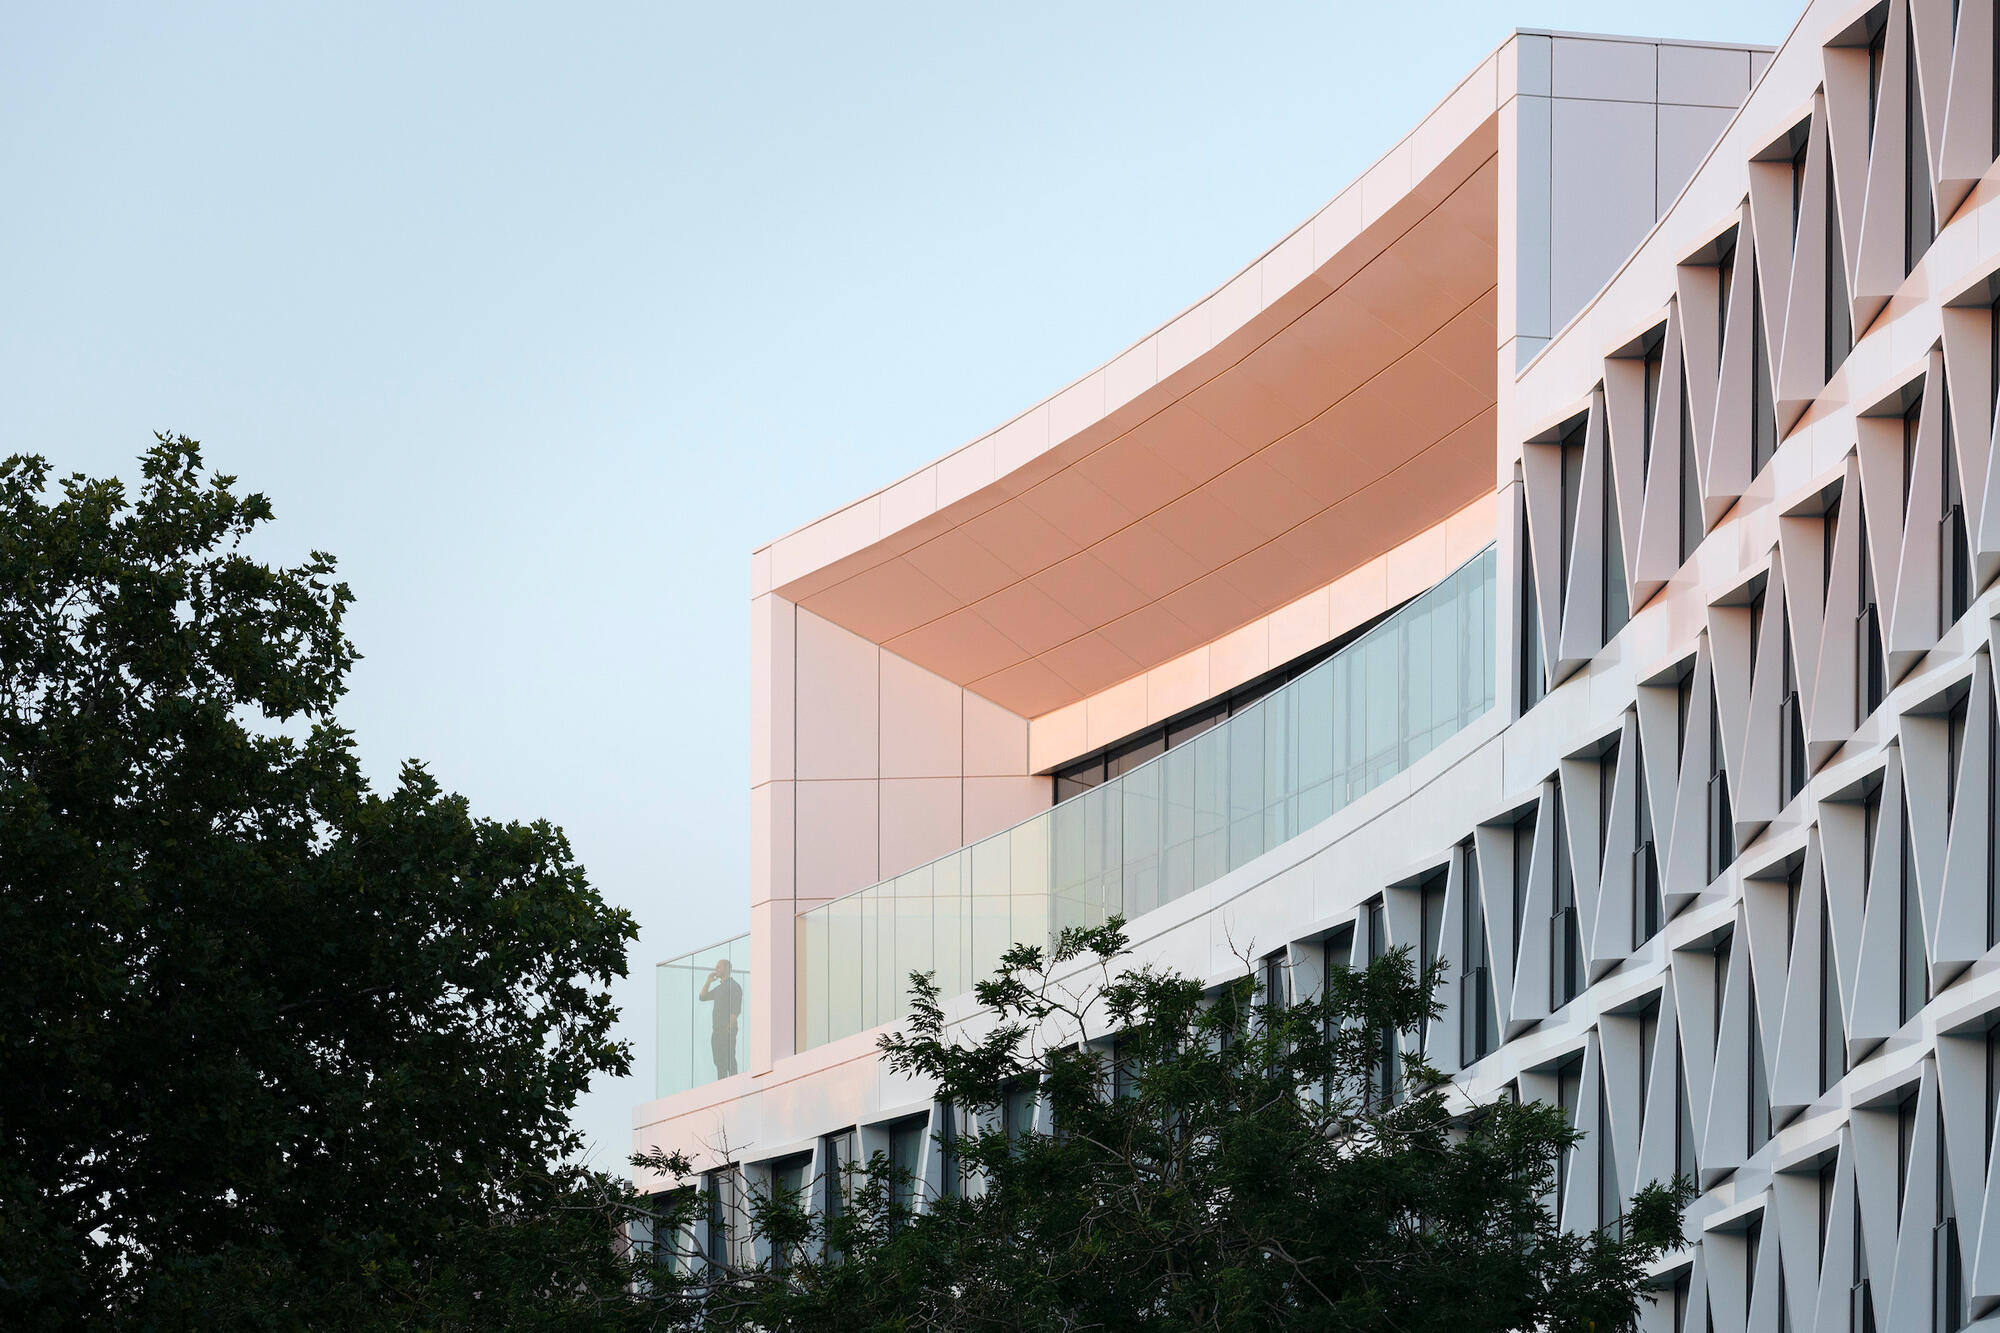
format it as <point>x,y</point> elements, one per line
<point>542,318</point>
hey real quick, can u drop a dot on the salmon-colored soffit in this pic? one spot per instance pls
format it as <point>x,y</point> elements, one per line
<point>1353,411</point>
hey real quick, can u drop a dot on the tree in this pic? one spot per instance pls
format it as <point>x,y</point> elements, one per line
<point>1230,1162</point>
<point>278,1048</point>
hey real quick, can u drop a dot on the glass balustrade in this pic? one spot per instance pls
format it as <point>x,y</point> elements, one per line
<point>704,1018</point>
<point>1163,829</point>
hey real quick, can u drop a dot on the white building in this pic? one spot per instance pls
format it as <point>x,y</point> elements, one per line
<point>1570,550</point>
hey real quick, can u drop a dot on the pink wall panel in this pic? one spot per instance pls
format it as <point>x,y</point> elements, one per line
<point>837,700</point>
<point>921,722</point>
<point>920,822</point>
<point>836,848</point>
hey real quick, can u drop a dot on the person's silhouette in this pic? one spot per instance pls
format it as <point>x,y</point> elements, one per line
<point>727,997</point>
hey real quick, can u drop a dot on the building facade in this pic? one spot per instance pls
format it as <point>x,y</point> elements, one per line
<point>1568,553</point>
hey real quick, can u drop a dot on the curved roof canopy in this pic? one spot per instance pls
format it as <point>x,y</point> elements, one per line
<point>1332,401</point>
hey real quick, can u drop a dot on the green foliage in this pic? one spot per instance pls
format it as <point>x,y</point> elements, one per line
<point>279,1049</point>
<point>1239,1170</point>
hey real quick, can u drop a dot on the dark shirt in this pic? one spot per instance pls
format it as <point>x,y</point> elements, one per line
<point>727,997</point>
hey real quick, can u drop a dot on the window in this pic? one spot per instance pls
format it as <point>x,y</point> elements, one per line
<point>1954,752</point>
<point>1610,1198</point>
<point>906,1165</point>
<point>1648,908</point>
<point>1914,968</point>
<point>1860,1299</point>
<point>1763,407</point>
<point>954,1125</point>
<point>1954,545</point>
<point>1832,1025</point>
<point>1919,210</point>
<point>1572,498</point>
<point>1760,1087</point>
<point>1721,814</point>
<point>1614,602</point>
<point>1649,1036</point>
<point>1829,1181</point>
<point>1691,524</point>
<point>1948,1303</point>
<point>1684,1154</point>
<point>1534,668</point>
<point>840,1161</point>
<point>728,1238</point>
<point>1992,822</point>
<point>1878,54</point>
<point>1336,955</point>
<point>1791,716</point>
<point>1566,966</point>
<point>1804,134</point>
<point>1869,682</point>
<point>1479,1028</point>
<point>1912,427</point>
<point>1569,1095</point>
<point>1655,369</point>
<point>1430,946</point>
<point>1524,859</point>
<point>1992,1088</point>
<point>1795,882</point>
<point>1017,1114</point>
<point>789,1177</point>
<point>1382,1081</point>
<point>1839,309</point>
<point>1274,980</point>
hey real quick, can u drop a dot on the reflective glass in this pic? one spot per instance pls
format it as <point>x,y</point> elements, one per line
<point>1147,835</point>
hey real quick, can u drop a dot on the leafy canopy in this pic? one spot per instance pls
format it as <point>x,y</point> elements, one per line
<point>1225,1162</point>
<point>278,1048</point>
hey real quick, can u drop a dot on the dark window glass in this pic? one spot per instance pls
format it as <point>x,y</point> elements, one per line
<point>1948,1303</point>
<point>1534,668</point>
<point>1655,368</point>
<point>1684,1155</point>
<point>1763,406</point>
<point>1478,1024</point>
<point>1919,210</point>
<point>1791,716</point>
<point>1760,1087</point>
<point>1915,967</point>
<point>1610,1197</point>
<point>1871,686</point>
<point>1382,1079</point>
<point>1878,54</point>
<point>1648,907</point>
<point>1649,1035</point>
<point>906,1164</point>
<point>1954,753</point>
<point>1954,543</point>
<point>1691,525</point>
<point>1992,1088</point>
<point>1992,822</point>
<point>840,1161</point>
<point>1832,1024</point>
<point>1799,179</point>
<point>1614,602</point>
<point>1721,814</point>
<point>1569,1094</point>
<point>1839,309</point>
<point>1566,967</point>
<point>1572,499</point>
<point>789,1177</point>
<point>1524,850</point>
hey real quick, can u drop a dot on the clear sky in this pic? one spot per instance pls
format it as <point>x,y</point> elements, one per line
<point>542,318</point>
